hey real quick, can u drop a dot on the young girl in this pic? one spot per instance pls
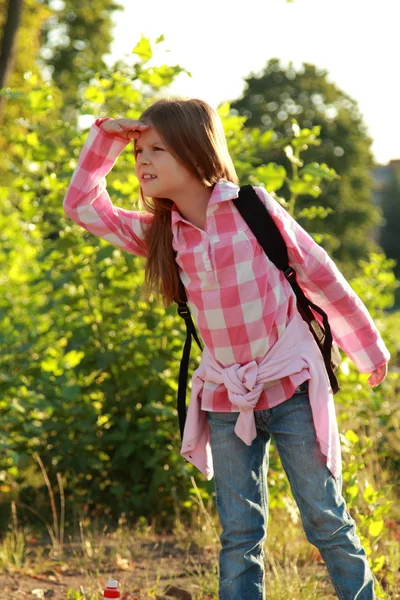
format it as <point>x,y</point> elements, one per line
<point>261,372</point>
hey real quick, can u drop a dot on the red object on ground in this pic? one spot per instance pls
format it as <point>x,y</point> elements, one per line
<point>112,590</point>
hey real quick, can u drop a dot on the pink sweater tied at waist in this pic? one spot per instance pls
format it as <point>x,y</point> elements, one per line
<point>294,352</point>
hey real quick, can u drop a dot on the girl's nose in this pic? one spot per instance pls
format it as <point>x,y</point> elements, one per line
<point>143,159</point>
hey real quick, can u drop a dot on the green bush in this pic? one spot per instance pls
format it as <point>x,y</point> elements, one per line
<point>89,370</point>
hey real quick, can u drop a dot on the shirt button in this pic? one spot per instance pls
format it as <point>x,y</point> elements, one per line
<point>206,262</point>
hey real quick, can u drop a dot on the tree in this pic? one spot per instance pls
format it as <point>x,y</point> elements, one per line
<point>75,40</point>
<point>26,89</point>
<point>389,233</point>
<point>270,100</point>
<point>8,44</point>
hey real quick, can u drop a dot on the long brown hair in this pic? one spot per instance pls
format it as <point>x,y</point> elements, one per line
<point>192,131</point>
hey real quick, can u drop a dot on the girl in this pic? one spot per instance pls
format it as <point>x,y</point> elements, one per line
<point>261,372</point>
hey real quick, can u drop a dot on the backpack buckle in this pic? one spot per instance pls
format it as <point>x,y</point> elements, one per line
<point>290,274</point>
<point>183,311</point>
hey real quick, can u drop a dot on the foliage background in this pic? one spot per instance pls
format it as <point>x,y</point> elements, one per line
<point>88,368</point>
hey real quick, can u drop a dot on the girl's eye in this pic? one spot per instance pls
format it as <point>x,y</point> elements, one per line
<point>155,148</point>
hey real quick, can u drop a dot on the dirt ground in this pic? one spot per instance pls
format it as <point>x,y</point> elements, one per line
<point>159,571</point>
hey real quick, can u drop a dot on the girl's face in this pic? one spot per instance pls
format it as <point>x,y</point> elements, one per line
<point>153,158</point>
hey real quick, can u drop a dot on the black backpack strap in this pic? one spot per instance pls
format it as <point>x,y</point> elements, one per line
<point>270,239</point>
<point>184,312</point>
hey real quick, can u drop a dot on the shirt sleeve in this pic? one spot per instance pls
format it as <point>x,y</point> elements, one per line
<point>351,324</point>
<point>88,203</point>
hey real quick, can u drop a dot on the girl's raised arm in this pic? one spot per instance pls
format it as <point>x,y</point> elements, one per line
<point>87,201</point>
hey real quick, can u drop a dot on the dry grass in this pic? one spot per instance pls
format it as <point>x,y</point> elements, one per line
<point>147,564</point>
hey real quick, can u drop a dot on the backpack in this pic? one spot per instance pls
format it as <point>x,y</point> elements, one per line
<point>257,217</point>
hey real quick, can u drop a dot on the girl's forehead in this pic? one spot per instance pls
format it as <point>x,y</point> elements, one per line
<point>149,136</point>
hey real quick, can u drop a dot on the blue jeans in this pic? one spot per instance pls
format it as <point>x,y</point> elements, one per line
<point>242,502</point>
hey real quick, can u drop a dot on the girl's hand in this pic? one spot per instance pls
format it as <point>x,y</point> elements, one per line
<point>378,376</point>
<point>128,129</point>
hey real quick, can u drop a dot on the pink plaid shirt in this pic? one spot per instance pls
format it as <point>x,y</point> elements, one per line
<point>241,302</point>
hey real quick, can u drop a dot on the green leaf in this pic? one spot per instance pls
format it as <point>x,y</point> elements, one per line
<point>224,110</point>
<point>40,100</point>
<point>266,139</point>
<point>352,491</point>
<point>375,528</point>
<point>271,176</point>
<point>32,139</point>
<point>152,77</point>
<point>306,137</point>
<point>321,171</point>
<point>352,436</point>
<point>94,94</point>
<point>378,563</point>
<point>314,212</point>
<point>370,495</point>
<point>104,252</point>
<point>51,365</point>
<point>304,187</point>
<point>72,358</point>
<point>143,49</point>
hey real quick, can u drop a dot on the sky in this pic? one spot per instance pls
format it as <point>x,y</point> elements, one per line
<point>222,41</point>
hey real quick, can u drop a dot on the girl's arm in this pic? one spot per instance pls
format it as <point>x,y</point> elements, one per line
<point>87,201</point>
<point>352,326</point>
